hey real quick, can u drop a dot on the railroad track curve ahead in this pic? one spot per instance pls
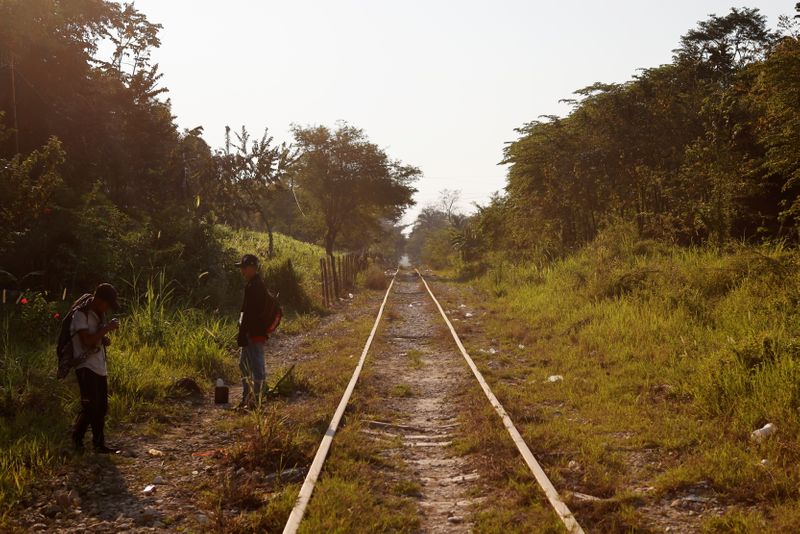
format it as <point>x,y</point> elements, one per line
<point>304,496</point>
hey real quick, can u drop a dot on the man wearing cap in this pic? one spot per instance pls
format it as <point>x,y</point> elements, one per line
<point>252,332</point>
<point>91,328</point>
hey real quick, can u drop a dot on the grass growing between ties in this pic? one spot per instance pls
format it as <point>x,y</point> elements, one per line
<point>670,359</point>
<point>356,494</point>
<point>403,390</point>
<point>361,489</point>
<point>415,358</point>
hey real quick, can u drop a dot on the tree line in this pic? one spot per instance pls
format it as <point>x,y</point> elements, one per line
<point>97,178</point>
<point>703,149</point>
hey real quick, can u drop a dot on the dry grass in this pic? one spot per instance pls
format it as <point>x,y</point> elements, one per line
<point>375,278</point>
<point>351,495</point>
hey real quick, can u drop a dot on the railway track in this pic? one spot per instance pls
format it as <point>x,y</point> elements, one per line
<point>431,430</point>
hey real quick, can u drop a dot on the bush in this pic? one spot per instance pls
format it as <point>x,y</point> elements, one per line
<point>471,270</point>
<point>285,280</point>
<point>375,278</point>
<point>169,330</point>
<point>293,271</point>
<point>159,341</point>
<point>36,319</point>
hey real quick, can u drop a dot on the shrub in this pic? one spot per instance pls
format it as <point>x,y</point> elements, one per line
<point>169,330</point>
<point>375,278</point>
<point>286,281</point>
<point>471,270</point>
<point>37,319</point>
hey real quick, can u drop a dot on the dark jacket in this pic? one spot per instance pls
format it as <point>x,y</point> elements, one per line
<point>254,310</point>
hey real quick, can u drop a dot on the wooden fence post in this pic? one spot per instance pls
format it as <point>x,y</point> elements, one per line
<point>324,281</point>
<point>343,264</point>
<point>328,282</point>
<point>350,283</point>
<point>339,273</point>
<point>331,282</point>
<point>332,275</point>
<point>345,273</point>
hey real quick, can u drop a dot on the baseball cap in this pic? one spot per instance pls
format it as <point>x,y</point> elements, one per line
<point>248,260</point>
<point>108,293</point>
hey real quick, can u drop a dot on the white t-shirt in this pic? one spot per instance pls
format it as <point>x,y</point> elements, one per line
<point>97,355</point>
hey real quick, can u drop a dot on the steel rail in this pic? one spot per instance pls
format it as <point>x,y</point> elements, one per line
<point>293,523</point>
<point>550,491</point>
<point>304,496</point>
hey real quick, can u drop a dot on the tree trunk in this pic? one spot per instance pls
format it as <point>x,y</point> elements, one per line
<point>262,210</point>
<point>271,249</point>
<point>335,276</point>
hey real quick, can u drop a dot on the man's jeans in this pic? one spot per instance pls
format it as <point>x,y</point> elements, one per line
<point>94,405</point>
<point>253,367</point>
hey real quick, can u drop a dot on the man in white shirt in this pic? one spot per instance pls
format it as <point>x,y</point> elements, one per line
<point>89,330</point>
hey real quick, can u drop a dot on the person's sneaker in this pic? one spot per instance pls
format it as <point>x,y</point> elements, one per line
<point>103,449</point>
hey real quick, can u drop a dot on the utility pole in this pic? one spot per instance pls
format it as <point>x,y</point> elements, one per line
<point>14,105</point>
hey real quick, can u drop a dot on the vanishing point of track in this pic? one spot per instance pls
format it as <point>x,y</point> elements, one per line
<point>306,490</point>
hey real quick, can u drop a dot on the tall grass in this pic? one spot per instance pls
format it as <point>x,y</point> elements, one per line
<point>375,278</point>
<point>159,341</point>
<point>293,271</point>
<point>29,428</point>
<point>688,349</point>
<point>168,331</point>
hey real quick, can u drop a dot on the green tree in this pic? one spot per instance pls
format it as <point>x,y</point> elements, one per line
<point>250,172</point>
<point>679,150</point>
<point>130,180</point>
<point>430,221</point>
<point>722,45</point>
<point>348,182</point>
<point>776,95</point>
<point>29,184</point>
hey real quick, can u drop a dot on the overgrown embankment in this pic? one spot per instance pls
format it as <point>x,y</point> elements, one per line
<point>638,372</point>
<point>168,331</point>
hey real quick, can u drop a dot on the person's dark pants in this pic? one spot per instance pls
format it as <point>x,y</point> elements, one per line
<point>94,405</point>
<point>253,367</point>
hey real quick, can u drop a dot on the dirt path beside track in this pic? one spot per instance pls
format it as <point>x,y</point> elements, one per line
<point>179,457</point>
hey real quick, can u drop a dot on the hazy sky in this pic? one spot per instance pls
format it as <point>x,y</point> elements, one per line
<point>441,85</point>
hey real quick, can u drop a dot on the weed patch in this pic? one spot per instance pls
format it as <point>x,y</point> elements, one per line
<point>670,359</point>
<point>375,278</point>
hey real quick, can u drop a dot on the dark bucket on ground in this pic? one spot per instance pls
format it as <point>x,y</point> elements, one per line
<point>221,392</point>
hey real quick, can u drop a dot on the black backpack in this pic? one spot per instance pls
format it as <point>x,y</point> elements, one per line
<point>65,353</point>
